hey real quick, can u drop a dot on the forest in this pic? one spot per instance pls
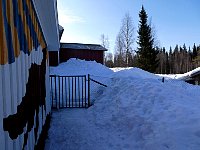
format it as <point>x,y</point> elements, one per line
<point>148,55</point>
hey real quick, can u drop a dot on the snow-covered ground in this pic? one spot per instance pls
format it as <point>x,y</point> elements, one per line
<point>135,112</point>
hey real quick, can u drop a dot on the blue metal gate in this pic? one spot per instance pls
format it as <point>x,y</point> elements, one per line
<point>69,91</point>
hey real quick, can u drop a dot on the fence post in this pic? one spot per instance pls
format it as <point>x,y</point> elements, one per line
<point>88,90</point>
<point>56,98</point>
<point>59,92</point>
<point>163,79</point>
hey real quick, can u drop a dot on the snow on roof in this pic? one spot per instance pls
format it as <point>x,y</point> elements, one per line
<point>83,46</point>
<point>61,28</point>
<point>189,74</point>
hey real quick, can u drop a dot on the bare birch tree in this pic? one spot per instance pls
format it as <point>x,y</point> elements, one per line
<point>127,37</point>
<point>119,52</point>
<point>105,43</point>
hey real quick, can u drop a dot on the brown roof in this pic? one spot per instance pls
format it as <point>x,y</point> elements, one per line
<point>83,46</point>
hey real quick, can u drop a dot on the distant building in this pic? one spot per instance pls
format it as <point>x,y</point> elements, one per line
<point>54,58</point>
<point>93,52</point>
<point>192,77</point>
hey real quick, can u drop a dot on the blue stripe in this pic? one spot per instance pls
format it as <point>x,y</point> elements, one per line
<point>11,57</point>
<point>33,33</point>
<point>24,40</point>
<point>20,28</point>
<point>16,21</point>
<point>31,26</point>
<point>38,22</point>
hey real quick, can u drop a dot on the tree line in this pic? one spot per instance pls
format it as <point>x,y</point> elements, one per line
<point>148,55</point>
<point>178,60</point>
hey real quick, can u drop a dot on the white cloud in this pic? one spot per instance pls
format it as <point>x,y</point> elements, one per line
<point>68,17</point>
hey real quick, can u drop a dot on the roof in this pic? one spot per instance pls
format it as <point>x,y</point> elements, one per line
<point>49,22</point>
<point>80,46</point>
<point>189,75</point>
<point>61,30</point>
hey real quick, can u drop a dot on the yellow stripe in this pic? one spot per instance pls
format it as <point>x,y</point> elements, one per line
<point>14,32</point>
<point>26,27</point>
<point>27,33</point>
<point>3,46</point>
<point>47,56</point>
<point>31,14</point>
<point>1,35</point>
<point>43,44</point>
<point>36,25</point>
<point>16,44</point>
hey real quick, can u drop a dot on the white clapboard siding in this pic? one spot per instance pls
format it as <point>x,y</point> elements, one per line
<point>19,79</point>
<point>2,134</point>
<point>7,100</point>
<point>26,69</point>
<point>14,78</point>
<point>19,143</point>
<point>22,73</point>
<point>48,101</point>
<point>13,91</point>
<point>32,138</point>
<point>28,142</point>
<point>19,93</point>
<point>41,122</point>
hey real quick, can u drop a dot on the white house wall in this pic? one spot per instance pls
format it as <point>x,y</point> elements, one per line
<point>24,76</point>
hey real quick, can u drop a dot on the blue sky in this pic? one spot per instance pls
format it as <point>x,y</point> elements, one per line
<point>175,21</point>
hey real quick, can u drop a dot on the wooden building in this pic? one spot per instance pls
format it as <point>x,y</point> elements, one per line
<point>192,77</point>
<point>28,32</point>
<point>54,58</point>
<point>82,51</point>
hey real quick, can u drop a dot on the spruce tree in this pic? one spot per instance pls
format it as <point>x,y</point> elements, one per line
<point>171,61</point>
<point>194,51</point>
<point>146,53</point>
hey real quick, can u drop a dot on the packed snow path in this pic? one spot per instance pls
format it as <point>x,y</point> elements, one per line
<point>136,112</point>
<point>74,131</point>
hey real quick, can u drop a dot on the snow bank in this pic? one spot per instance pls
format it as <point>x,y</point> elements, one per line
<point>136,73</point>
<point>187,74</point>
<point>149,114</point>
<point>181,76</point>
<point>80,67</point>
<point>137,111</point>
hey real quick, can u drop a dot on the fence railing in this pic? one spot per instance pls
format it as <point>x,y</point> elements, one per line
<point>71,91</point>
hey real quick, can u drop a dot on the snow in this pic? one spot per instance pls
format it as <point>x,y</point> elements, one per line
<point>80,46</point>
<point>135,112</point>
<point>184,76</point>
<point>80,67</point>
<point>188,74</point>
<point>60,27</point>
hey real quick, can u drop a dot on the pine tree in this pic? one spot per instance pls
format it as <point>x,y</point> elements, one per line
<point>147,55</point>
<point>196,60</point>
<point>190,59</point>
<point>171,61</point>
<point>194,51</point>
